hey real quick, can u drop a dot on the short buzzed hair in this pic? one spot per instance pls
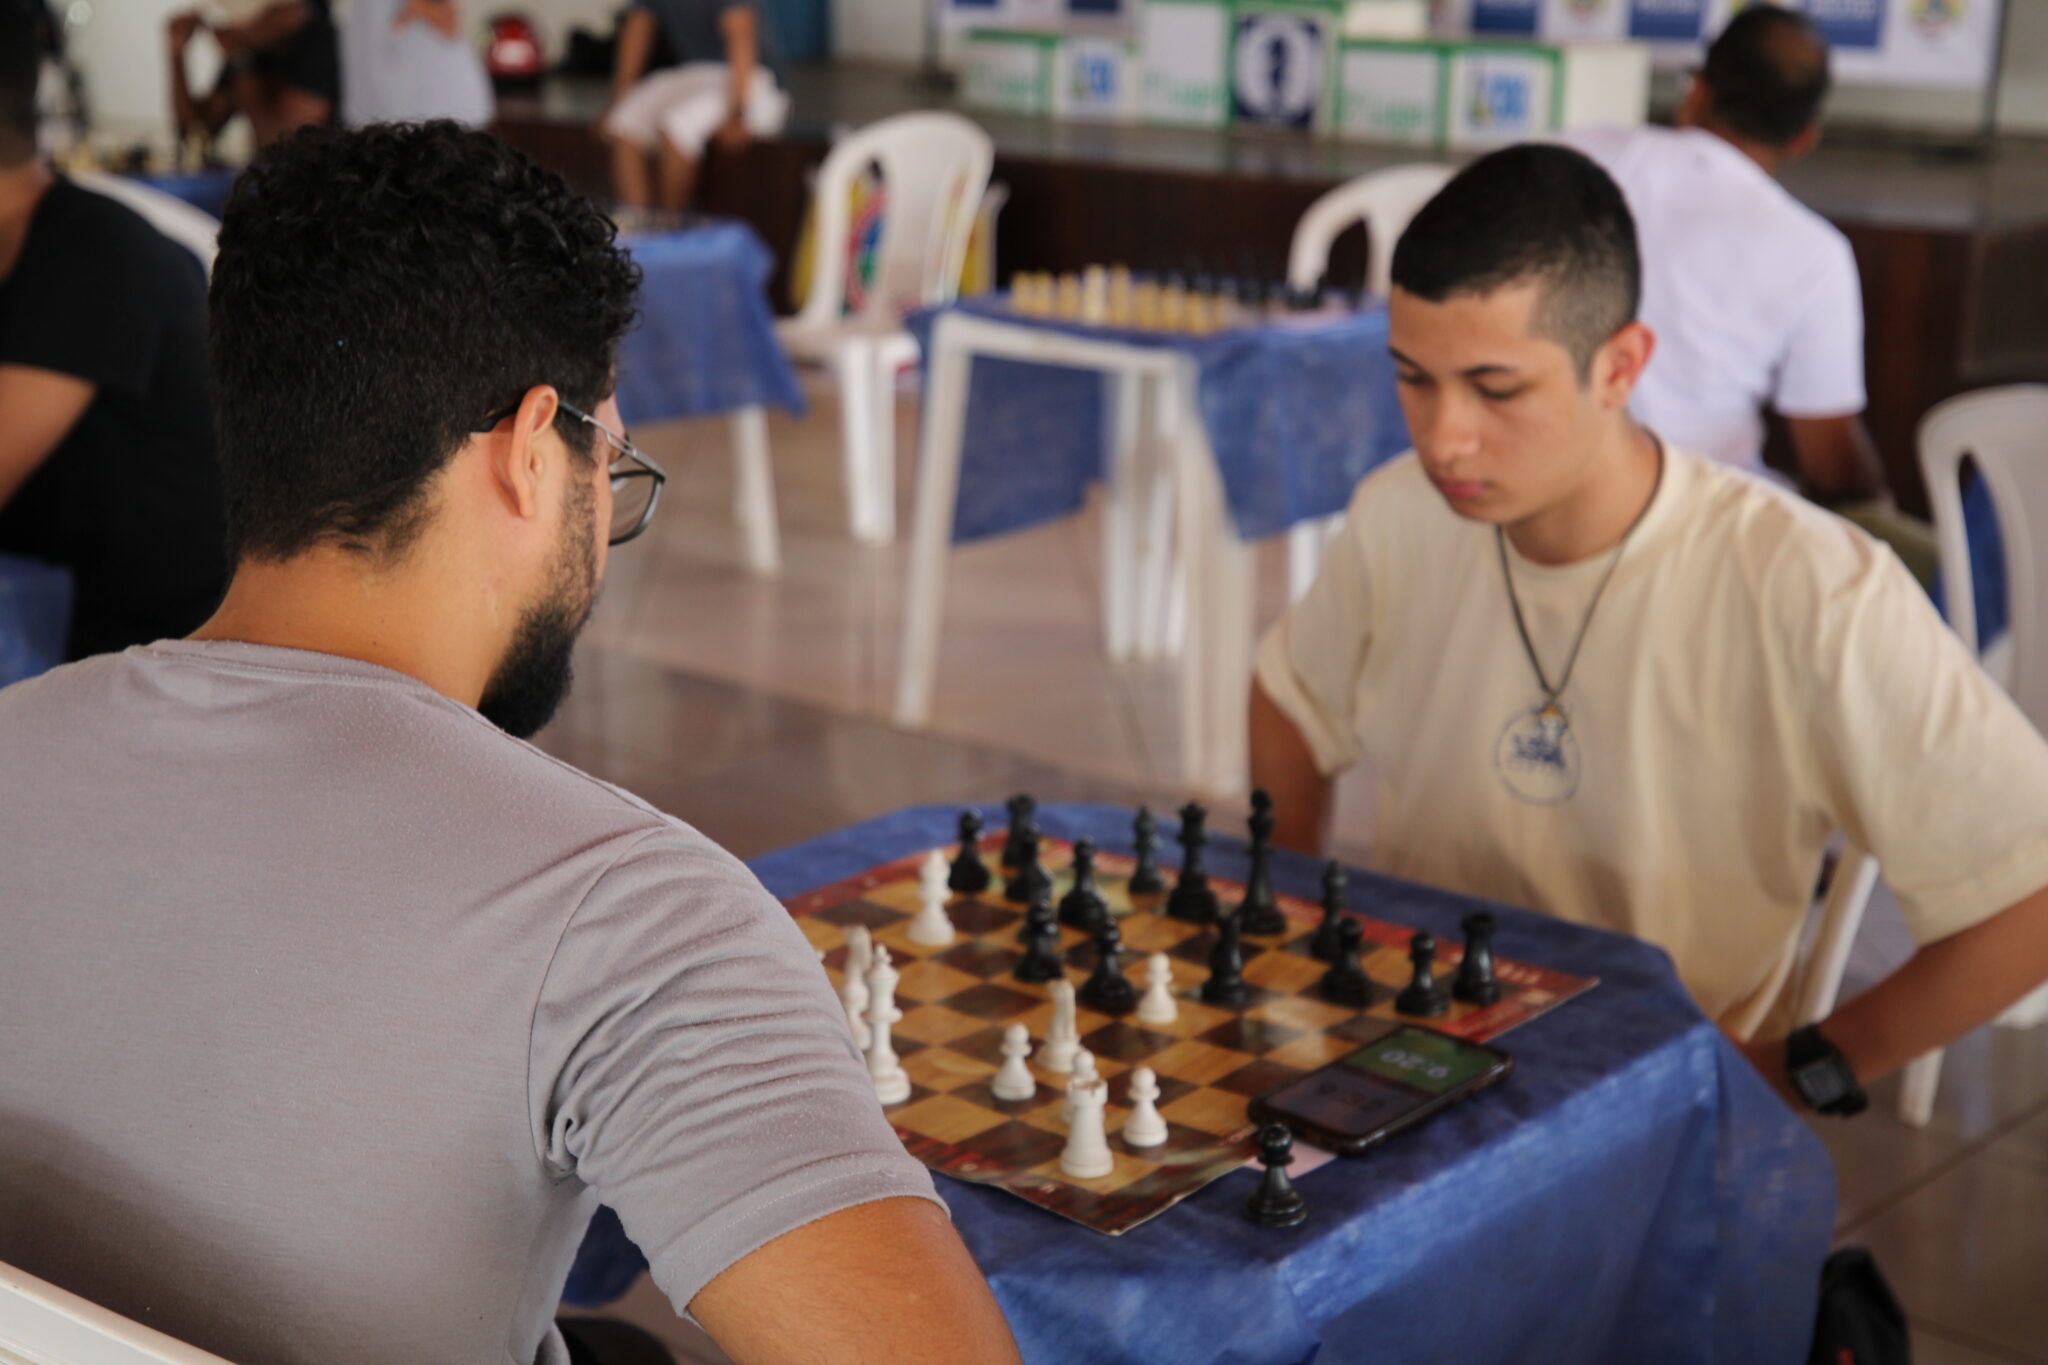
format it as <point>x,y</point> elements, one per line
<point>1767,74</point>
<point>1531,213</point>
<point>21,53</point>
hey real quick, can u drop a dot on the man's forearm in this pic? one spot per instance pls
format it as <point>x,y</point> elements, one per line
<point>1943,991</point>
<point>742,55</point>
<point>636,47</point>
<point>1285,768</point>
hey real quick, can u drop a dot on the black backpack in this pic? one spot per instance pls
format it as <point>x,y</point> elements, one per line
<point>1860,1321</point>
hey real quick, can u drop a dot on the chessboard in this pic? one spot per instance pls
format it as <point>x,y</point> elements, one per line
<point>1210,1062</point>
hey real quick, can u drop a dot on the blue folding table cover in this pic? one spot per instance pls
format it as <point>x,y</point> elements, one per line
<point>1634,1192</point>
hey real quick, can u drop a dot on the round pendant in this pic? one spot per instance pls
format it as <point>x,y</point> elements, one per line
<point>1537,756</point>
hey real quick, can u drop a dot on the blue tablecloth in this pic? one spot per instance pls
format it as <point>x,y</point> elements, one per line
<point>206,191</point>
<point>1296,413</point>
<point>35,617</point>
<point>705,342</point>
<point>1633,1193</point>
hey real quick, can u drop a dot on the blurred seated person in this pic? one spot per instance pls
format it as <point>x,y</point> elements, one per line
<point>107,451</point>
<point>1754,297</point>
<point>1628,686</point>
<point>280,70</point>
<point>723,87</point>
<point>406,61</point>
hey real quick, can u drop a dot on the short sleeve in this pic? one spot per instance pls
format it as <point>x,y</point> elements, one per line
<point>691,1063</point>
<point>1923,760</point>
<point>1310,661</point>
<point>81,301</point>
<point>1821,373</point>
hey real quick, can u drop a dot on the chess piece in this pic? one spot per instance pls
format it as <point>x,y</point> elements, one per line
<point>1144,1127</point>
<point>1158,1006</point>
<point>970,876</point>
<point>931,928</point>
<point>1323,947</point>
<point>1083,907</point>
<point>892,1082</point>
<point>1107,990</point>
<point>1225,986</point>
<point>1259,913</point>
<point>853,983</point>
<point>1041,960</point>
<point>1476,983</point>
<point>1063,1036</point>
<point>1346,982</point>
<point>1192,898</point>
<point>1275,1203</point>
<point>1023,815</point>
<point>1084,1074</point>
<point>1029,881</point>
<point>1087,1155</point>
<point>1422,998</point>
<point>1013,1081</point>
<point>1145,879</point>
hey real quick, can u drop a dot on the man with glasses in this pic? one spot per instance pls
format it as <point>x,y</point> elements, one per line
<point>330,1010</point>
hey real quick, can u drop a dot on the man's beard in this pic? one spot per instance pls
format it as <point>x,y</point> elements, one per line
<point>534,676</point>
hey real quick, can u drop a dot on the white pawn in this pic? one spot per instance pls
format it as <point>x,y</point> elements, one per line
<point>1087,1155</point>
<point>853,984</point>
<point>1014,1081</point>
<point>1084,1076</point>
<point>892,1082</point>
<point>1144,1127</point>
<point>931,928</point>
<point>1158,1006</point>
<point>1063,1037</point>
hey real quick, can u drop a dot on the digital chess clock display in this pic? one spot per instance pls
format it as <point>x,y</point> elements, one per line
<point>1429,1062</point>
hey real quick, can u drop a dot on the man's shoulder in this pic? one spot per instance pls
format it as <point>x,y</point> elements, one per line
<point>1792,555</point>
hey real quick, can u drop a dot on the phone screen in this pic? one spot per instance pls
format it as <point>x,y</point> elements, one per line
<point>1383,1086</point>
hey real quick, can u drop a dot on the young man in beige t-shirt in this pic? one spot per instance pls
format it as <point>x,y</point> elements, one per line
<point>1619,684</point>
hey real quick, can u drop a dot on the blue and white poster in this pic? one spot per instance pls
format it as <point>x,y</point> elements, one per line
<point>1667,21</point>
<point>1042,16</point>
<point>1504,18</point>
<point>1849,25</point>
<point>1277,69</point>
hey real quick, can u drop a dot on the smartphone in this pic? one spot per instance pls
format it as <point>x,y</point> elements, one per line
<point>1389,1085</point>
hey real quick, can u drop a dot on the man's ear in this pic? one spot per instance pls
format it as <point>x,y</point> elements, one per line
<point>1803,145</point>
<point>517,458</point>
<point>1693,106</point>
<point>1619,364</point>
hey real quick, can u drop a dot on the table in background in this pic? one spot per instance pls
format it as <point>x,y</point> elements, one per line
<point>1203,443</point>
<point>704,346</point>
<point>1634,1192</point>
<point>35,617</point>
<point>206,190</point>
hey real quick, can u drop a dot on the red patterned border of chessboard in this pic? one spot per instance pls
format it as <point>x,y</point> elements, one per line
<point>1210,1062</point>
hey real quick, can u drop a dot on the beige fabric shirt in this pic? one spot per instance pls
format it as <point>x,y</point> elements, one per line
<point>1759,674</point>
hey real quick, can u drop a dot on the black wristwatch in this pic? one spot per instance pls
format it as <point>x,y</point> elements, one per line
<point>1821,1076</point>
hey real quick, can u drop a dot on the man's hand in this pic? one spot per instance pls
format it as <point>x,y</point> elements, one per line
<point>438,15</point>
<point>732,135</point>
<point>1767,1055</point>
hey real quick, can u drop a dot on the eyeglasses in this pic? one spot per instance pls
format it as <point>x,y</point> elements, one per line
<point>636,479</point>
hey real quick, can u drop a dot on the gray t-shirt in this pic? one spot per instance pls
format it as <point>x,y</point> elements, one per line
<point>328,1013</point>
<point>695,29</point>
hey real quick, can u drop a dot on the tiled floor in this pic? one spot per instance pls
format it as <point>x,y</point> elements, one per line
<point>753,709</point>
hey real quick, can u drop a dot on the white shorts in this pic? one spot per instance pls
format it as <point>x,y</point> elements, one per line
<point>687,104</point>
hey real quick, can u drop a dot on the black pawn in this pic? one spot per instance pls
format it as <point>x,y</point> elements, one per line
<point>1023,817</point>
<point>1346,982</point>
<point>1475,983</point>
<point>1107,990</point>
<point>1041,960</point>
<point>970,874</point>
<point>1145,879</point>
<point>1029,881</point>
<point>1422,997</point>
<point>1325,945</point>
<point>1225,985</point>
<point>1192,898</point>
<point>1084,907</point>
<point>1259,912</point>
<point>1275,1203</point>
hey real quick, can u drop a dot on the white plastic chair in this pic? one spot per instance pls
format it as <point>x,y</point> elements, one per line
<point>41,1324</point>
<point>935,167</point>
<point>1384,202</point>
<point>194,229</point>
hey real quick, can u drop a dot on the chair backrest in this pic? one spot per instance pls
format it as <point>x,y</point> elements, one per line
<point>1384,201</point>
<point>934,167</point>
<point>2005,431</point>
<point>194,229</point>
<point>1819,978</point>
<point>41,1324</point>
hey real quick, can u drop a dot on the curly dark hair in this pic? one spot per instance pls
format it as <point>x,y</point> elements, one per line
<point>1531,212</point>
<point>378,294</point>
